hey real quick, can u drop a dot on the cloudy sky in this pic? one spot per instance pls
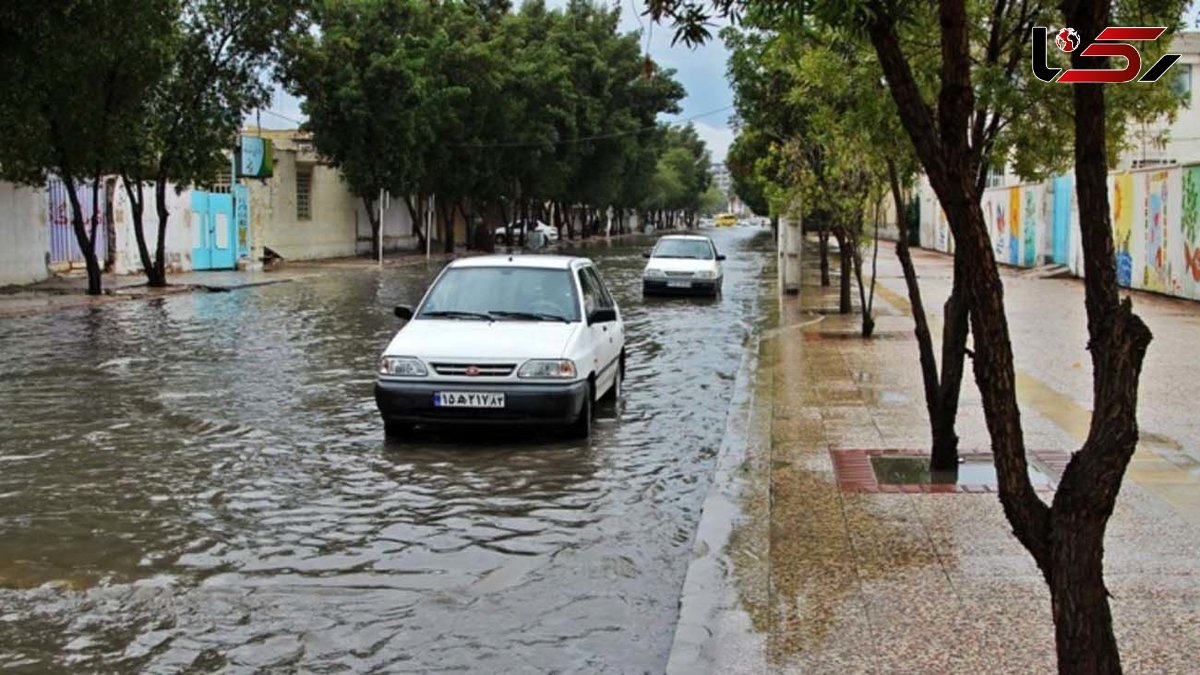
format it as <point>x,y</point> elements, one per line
<point>701,71</point>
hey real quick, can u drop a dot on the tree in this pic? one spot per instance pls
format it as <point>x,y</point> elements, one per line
<point>1065,538</point>
<point>218,52</point>
<point>364,83</point>
<point>72,73</point>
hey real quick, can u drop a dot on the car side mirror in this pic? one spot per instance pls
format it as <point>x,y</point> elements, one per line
<point>720,256</point>
<point>646,255</point>
<point>602,315</point>
<point>404,312</point>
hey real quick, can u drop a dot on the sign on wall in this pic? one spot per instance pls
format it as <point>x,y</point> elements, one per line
<point>256,157</point>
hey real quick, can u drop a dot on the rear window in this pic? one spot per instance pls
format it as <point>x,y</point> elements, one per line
<point>683,248</point>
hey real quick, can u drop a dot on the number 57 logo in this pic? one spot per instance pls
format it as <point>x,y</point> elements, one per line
<point>1110,42</point>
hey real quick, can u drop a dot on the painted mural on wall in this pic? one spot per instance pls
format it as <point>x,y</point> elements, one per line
<point>1156,269</point>
<point>1122,218</point>
<point>1155,220</point>
<point>1190,231</point>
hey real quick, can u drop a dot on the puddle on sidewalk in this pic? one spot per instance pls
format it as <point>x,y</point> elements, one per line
<point>971,471</point>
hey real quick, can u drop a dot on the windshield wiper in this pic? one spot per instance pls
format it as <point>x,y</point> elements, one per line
<point>455,314</point>
<point>530,316</point>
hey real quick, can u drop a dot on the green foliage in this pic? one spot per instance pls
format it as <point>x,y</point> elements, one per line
<point>475,103</point>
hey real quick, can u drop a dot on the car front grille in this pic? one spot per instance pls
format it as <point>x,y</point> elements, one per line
<point>679,275</point>
<point>477,370</point>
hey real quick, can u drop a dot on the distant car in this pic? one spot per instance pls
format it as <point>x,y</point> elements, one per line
<point>501,236</point>
<point>685,264</point>
<point>525,339</point>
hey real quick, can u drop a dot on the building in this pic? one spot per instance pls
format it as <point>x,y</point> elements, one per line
<point>1167,142</point>
<point>303,211</point>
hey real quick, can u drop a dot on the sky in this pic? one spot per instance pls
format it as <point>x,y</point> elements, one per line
<point>701,71</point>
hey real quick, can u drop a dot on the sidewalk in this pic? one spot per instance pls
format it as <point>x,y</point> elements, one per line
<point>828,569</point>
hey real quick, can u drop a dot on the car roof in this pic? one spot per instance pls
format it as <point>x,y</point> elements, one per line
<point>552,262</point>
<point>690,237</point>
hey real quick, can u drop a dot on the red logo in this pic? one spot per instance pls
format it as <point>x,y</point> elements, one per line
<point>1112,42</point>
<point>472,371</point>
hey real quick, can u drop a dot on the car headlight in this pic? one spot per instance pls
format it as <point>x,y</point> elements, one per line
<point>706,274</point>
<point>560,369</point>
<point>402,366</point>
<point>651,273</point>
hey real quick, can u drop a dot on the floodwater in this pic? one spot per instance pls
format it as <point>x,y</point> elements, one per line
<point>200,483</point>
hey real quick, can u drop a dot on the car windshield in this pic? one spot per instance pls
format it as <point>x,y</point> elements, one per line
<point>683,248</point>
<point>502,294</point>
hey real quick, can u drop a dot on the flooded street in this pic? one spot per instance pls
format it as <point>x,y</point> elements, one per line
<point>200,482</point>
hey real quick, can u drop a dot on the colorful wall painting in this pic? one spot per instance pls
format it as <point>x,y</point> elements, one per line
<point>1122,208</point>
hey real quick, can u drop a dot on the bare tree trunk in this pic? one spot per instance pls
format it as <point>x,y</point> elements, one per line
<point>845,305</point>
<point>867,299</point>
<point>137,211</point>
<point>372,217</point>
<point>942,427</point>
<point>164,214</point>
<point>823,238</point>
<point>86,246</point>
<point>1118,340</point>
<point>447,224</point>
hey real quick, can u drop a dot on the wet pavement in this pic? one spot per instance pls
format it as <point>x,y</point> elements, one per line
<point>823,572</point>
<point>200,482</point>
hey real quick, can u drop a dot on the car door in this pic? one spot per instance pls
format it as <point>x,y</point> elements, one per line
<point>609,335</point>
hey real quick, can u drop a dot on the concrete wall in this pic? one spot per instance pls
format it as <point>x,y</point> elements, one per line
<point>181,238</point>
<point>24,235</point>
<point>397,227</point>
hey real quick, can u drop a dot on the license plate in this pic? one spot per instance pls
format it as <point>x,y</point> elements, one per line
<point>467,399</point>
<point>679,284</point>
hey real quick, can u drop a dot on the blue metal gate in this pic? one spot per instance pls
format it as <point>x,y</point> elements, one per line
<point>215,239</point>
<point>1062,220</point>
<point>64,246</point>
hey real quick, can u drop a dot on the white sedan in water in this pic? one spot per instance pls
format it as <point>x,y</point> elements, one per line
<point>521,339</point>
<point>683,264</point>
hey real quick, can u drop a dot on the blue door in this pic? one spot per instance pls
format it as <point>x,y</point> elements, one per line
<point>214,231</point>
<point>1062,219</point>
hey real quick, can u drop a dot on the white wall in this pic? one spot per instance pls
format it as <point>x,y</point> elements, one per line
<point>397,227</point>
<point>329,233</point>
<point>180,237</point>
<point>24,235</point>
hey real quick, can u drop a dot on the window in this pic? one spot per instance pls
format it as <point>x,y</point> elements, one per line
<point>605,300</point>
<point>502,293</point>
<point>1181,82</point>
<point>303,194</point>
<point>697,249</point>
<point>592,298</point>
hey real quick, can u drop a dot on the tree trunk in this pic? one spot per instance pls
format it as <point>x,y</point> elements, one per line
<point>823,238</point>
<point>939,460</point>
<point>86,246</point>
<point>417,223</point>
<point>868,298</point>
<point>160,247</point>
<point>373,218</point>
<point>950,162</point>
<point>955,329</point>
<point>137,211</point>
<point>1118,340</point>
<point>845,305</point>
<point>447,224</point>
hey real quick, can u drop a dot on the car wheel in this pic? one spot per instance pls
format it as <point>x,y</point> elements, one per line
<point>395,431</point>
<point>613,396</point>
<point>581,428</point>
<point>500,239</point>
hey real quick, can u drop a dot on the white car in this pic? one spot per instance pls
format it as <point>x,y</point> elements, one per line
<point>501,236</point>
<point>684,264</point>
<point>520,339</point>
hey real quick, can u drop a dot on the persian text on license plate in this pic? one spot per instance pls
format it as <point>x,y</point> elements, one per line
<point>468,399</point>
<point>679,284</point>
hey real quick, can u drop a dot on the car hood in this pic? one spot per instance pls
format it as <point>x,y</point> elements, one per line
<point>454,340</point>
<point>681,264</point>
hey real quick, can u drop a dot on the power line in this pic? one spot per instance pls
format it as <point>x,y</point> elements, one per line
<point>282,116</point>
<point>584,139</point>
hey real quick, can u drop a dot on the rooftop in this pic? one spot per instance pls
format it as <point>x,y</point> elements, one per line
<point>558,262</point>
